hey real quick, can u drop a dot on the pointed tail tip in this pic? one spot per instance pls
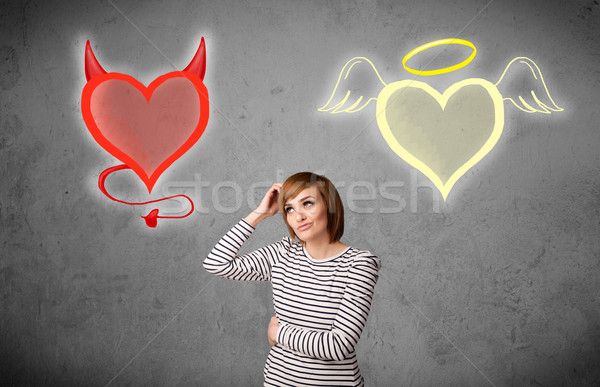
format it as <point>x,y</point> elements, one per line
<point>151,218</point>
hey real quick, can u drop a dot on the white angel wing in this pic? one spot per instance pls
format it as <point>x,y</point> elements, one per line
<point>527,93</point>
<point>353,93</point>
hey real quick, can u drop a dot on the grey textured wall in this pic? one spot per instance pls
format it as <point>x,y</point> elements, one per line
<point>497,286</point>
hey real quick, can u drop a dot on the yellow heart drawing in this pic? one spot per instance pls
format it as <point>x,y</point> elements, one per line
<point>442,135</point>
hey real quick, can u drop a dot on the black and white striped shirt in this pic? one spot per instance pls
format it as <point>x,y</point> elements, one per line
<point>321,305</point>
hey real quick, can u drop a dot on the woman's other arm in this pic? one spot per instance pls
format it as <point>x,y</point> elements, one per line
<point>340,340</point>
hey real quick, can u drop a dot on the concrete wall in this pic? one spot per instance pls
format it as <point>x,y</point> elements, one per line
<point>499,285</point>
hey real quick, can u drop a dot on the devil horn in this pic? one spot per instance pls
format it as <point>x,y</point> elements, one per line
<point>92,67</point>
<point>198,65</point>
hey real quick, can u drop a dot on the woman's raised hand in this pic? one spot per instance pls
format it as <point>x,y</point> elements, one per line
<point>269,206</point>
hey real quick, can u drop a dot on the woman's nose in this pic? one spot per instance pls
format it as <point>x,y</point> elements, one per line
<point>300,215</point>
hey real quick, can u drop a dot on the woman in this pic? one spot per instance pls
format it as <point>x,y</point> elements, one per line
<point>322,288</point>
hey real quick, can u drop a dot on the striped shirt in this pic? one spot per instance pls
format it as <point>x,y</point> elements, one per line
<point>321,305</point>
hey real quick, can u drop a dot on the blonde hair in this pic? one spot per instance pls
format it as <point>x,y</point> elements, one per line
<point>335,208</point>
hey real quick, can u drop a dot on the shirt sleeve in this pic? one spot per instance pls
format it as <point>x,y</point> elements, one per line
<point>339,342</point>
<point>255,266</point>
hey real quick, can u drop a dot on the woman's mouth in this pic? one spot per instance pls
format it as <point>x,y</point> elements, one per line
<point>304,226</point>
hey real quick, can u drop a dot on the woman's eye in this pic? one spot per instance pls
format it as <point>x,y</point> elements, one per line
<point>306,204</point>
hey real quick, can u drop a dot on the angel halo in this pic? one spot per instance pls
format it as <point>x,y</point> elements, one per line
<point>435,43</point>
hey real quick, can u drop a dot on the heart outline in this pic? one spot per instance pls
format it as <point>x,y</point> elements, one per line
<point>147,92</point>
<point>442,100</point>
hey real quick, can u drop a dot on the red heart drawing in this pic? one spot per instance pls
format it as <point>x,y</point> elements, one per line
<point>147,128</point>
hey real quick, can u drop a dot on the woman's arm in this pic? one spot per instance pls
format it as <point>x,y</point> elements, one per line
<point>340,340</point>
<point>254,218</point>
<point>255,266</point>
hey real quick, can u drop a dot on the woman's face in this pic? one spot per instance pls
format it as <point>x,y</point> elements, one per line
<point>307,214</point>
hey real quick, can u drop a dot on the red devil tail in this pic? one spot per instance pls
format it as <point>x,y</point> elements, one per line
<point>153,215</point>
